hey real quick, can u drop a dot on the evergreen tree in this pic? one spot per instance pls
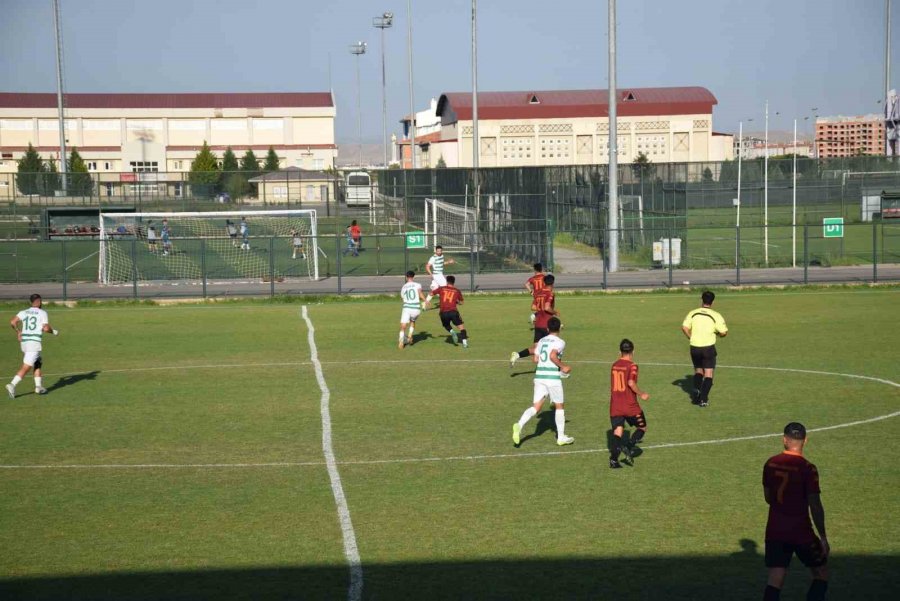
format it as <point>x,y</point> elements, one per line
<point>271,163</point>
<point>50,179</point>
<point>441,164</point>
<point>232,181</point>
<point>229,161</point>
<point>204,175</point>
<point>641,166</point>
<point>707,175</point>
<point>29,172</point>
<point>79,178</point>
<point>249,169</point>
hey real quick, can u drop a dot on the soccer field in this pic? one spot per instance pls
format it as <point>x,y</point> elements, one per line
<point>180,452</point>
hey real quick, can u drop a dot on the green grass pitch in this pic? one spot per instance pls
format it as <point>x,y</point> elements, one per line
<point>199,436</point>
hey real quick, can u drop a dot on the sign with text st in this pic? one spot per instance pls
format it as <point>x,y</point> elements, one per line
<point>415,239</point>
<point>833,227</point>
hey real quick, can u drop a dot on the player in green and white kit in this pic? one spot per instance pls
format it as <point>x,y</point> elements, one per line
<point>412,296</point>
<point>547,353</point>
<point>435,268</point>
<point>34,322</point>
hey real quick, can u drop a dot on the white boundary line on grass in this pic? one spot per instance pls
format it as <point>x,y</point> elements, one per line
<point>280,464</point>
<point>351,551</point>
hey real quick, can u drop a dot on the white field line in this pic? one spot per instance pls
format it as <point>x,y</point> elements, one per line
<point>291,464</point>
<point>351,551</point>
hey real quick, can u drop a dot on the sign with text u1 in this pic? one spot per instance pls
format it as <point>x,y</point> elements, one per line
<point>415,239</point>
<point>833,227</point>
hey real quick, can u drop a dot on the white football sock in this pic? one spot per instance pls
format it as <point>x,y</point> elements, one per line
<point>38,380</point>
<point>560,423</point>
<point>16,379</point>
<point>412,328</point>
<point>428,298</point>
<point>529,413</point>
<point>400,338</point>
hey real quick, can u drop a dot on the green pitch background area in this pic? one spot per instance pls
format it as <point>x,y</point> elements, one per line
<point>222,399</point>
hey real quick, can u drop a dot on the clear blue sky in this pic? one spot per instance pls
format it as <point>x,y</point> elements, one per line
<point>796,53</point>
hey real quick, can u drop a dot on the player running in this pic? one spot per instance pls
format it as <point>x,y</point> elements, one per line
<point>544,307</point>
<point>34,322</point>
<point>297,244</point>
<point>547,382</point>
<point>232,231</point>
<point>535,285</point>
<point>245,234</point>
<point>449,297</point>
<point>791,488</point>
<point>702,326</point>
<point>413,297</point>
<point>623,405</point>
<point>435,268</point>
<point>151,237</point>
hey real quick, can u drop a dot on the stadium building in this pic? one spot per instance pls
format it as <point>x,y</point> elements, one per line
<point>571,127</point>
<point>123,134</point>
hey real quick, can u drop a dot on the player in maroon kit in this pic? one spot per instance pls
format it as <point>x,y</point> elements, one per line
<point>544,306</point>
<point>623,405</point>
<point>450,296</point>
<point>791,488</point>
<point>535,286</point>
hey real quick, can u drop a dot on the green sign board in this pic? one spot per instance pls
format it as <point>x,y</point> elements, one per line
<point>833,227</point>
<point>415,239</point>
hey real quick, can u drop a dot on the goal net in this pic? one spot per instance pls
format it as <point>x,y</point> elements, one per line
<point>388,211</point>
<point>450,225</point>
<point>218,245</point>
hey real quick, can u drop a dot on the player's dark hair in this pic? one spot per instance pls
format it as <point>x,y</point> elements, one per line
<point>410,274</point>
<point>549,279</point>
<point>626,346</point>
<point>795,430</point>
<point>708,297</point>
<point>353,222</point>
<point>438,246</point>
<point>538,267</point>
<point>34,297</point>
<point>554,324</point>
<point>451,279</point>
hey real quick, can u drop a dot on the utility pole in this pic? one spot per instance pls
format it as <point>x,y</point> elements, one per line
<point>412,104</point>
<point>475,143</point>
<point>60,105</point>
<point>358,49</point>
<point>766,193</point>
<point>383,22</point>
<point>887,67</point>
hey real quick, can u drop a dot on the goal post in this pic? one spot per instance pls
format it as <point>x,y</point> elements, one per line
<point>211,244</point>
<point>450,226</point>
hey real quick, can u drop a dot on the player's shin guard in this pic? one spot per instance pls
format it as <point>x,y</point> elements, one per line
<point>616,448</point>
<point>817,590</point>
<point>560,418</point>
<point>771,593</point>
<point>524,353</point>
<point>705,388</point>
<point>637,436</point>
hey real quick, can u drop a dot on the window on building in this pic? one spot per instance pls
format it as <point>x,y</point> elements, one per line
<point>319,164</point>
<point>92,165</point>
<point>310,192</point>
<point>144,166</point>
<point>107,166</point>
<point>279,191</point>
<point>178,165</point>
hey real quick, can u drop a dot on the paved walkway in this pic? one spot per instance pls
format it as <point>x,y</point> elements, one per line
<point>659,278</point>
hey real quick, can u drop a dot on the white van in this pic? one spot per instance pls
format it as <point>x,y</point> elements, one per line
<point>359,189</point>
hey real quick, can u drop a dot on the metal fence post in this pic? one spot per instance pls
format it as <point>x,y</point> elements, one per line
<point>65,272</point>
<point>874,250</point>
<point>670,258</point>
<point>203,264</point>
<point>737,254</point>
<point>805,253</point>
<point>337,254</point>
<point>472,247</point>
<point>272,266</point>
<point>603,261</point>
<point>134,267</point>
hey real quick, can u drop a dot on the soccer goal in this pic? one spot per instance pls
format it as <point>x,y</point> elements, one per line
<point>208,246</point>
<point>451,226</point>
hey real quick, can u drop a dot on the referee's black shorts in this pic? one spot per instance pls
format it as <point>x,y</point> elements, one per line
<point>704,357</point>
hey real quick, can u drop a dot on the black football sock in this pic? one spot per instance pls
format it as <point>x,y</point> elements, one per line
<point>524,353</point>
<point>817,590</point>
<point>616,448</point>
<point>637,436</point>
<point>704,389</point>
<point>698,380</point>
<point>463,335</point>
<point>772,593</point>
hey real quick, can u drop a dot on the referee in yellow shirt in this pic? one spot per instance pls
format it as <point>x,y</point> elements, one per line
<point>702,326</point>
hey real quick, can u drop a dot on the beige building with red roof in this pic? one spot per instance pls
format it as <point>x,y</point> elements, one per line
<point>571,127</point>
<point>136,133</point>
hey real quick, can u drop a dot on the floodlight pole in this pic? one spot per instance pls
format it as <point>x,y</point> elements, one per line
<point>794,212</point>
<point>358,49</point>
<point>887,66</point>
<point>612,235</point>
<point>737,222</point>
<point>475,140</point>
<point>766,192</point>
<point>383,22</point>
<point>412,105</point>
<point>63,161</point>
